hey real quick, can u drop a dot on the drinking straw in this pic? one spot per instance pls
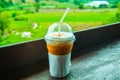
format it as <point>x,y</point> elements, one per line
<point>66,11</point>
<point>61,20</point>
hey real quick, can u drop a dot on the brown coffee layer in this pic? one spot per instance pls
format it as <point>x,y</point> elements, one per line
<point>60,49</point>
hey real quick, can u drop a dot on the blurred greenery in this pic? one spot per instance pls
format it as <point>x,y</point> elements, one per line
<point>54,3</point>
<point>4,22</point>
<point>37,6</point>
<point>115,18</point>
<point>118,7</point>
<point>18,16</point>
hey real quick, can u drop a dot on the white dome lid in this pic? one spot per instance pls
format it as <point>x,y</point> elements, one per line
<point>64,34</point>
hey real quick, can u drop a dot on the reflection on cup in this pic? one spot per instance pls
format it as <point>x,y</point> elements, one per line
<point>59,50</point>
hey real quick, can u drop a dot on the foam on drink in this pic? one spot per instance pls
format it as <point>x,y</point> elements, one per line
<point>60,44</point>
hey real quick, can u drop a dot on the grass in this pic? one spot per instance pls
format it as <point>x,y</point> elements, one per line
<point>71,16</point>
<point>77,19</point>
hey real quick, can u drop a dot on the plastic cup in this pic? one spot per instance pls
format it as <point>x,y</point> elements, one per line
<point>59,45</point>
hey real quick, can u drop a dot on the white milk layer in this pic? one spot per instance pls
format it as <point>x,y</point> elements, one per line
<point>59,65</point>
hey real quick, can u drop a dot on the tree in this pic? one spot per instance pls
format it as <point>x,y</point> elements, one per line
<point>113,6</point>
<point>81,6</point>
<point>76,2</point>
<point>0,36</point>
<point>1,9</point>
<point>113,3</point>
<point>37,0</point>
<point>5,3</point>
<point>4,21</point>
<point>103,6</point>
<point>116,18</point>
<point>118,12</point>
<point>23,1</point>
<point>37,6</point>
<point>10,2</point>
<point>118,7</point>
<point>2,3</point>
<point>63,0</point>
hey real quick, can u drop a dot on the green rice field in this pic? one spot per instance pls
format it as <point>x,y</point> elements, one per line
<point>76,18</point>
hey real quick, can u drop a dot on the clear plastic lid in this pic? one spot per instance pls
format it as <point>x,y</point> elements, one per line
<point>64,34</point>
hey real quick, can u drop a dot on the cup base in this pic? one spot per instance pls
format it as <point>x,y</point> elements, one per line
<point>59,65</point>
<point>60,77</point>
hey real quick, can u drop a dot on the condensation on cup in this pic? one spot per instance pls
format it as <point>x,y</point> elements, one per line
<point>59,45</point>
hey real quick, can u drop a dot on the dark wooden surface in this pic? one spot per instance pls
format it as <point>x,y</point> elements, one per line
<point>99,63</point>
